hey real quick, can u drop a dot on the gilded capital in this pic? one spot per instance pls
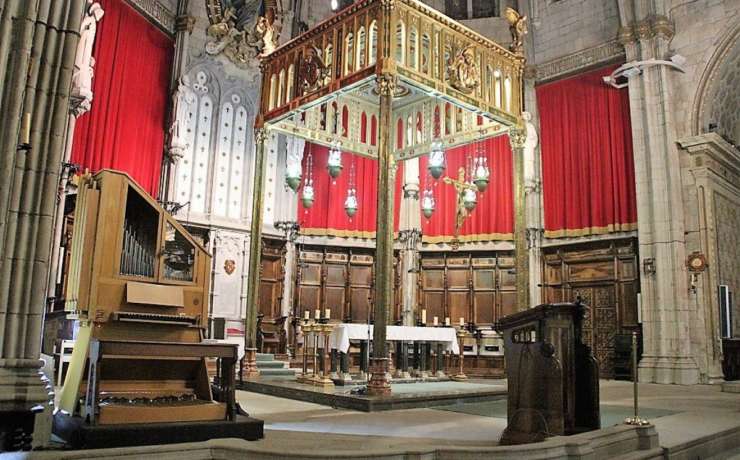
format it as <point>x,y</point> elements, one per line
<point>517,137</point>
<point>260,135</point>
<point>386,84</point>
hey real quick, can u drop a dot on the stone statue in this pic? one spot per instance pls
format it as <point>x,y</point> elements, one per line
<point>530,144</point>
<point>462,73</point>
<point>182,100</point>
<point>82,74</point>
<point>223,32</point>
<point>268,34</point>
<point>518,29</point>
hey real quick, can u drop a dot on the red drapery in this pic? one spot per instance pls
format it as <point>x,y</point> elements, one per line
<point>493,216</point>
<point>327,215</point>
<point>587,166</point>
<point>125,129</point>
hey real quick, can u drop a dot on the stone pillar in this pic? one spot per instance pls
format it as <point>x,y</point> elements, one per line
<point>255,254</point>
<point>533,209</point>
<point>667,356</point>
<point>410,236</point>
<point>379,383</point>
<point>34,96</point>
<point>521,245</point>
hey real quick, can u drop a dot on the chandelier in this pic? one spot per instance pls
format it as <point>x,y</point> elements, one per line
<point>427,203</point>
<point>293,175</point>
<point>307,195</point>
<point>436,160</point>
<point>350,203</point>
<point>470,199</point>
<point>334,164</point>
<point>482,174</point>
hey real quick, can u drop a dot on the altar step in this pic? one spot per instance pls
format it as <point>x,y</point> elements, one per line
<point>269,367</point>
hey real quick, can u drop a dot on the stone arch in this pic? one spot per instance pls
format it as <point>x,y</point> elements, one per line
<point>719,88</point>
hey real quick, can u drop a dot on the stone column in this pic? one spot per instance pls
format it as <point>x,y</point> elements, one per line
<point>34,96</point>
<point>667,356</point>
<point>255,254</point>
<point>379,383</point>
<point>533,207</point>
<point>410,236</point>
<point>521,245</point>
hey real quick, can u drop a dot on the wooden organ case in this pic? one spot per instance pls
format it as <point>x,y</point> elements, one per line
<point>139,284</point>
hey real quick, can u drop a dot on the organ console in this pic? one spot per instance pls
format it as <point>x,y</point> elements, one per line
<point>139,284</point>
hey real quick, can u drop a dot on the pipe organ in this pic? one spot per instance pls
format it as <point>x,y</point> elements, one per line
<point>139,284</point>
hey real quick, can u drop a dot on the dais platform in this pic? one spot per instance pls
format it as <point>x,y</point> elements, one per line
<point>403,395</point>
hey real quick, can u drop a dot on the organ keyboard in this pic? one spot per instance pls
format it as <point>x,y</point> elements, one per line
<point>139,284</point>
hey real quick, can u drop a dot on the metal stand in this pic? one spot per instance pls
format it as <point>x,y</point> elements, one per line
<point>636,420</point>
<point>460,376</point>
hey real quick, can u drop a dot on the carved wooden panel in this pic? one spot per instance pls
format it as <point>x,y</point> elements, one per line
<point>479,287</point>
<point>605,276</point>
<point>340,279</point>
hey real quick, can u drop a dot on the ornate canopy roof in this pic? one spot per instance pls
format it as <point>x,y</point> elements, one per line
<point>451,83</point>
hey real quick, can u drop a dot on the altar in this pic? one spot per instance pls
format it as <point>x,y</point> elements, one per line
<point>342,334</point>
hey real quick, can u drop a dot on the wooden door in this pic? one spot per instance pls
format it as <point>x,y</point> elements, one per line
<point>308,279</point>
<point>335,284</point>
<point>271,280</point>
<point>360,288</point>
<point>459,294</point>
<point>433,287</point>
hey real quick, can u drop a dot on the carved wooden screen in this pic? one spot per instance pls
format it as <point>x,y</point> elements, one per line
<point>340,279</point>
<point>271,279</point>
<point>477,286</point>
<point>605,276</point>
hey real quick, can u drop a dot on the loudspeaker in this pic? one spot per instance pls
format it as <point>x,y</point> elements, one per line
<point>217,328</point>
<point>725,311</point>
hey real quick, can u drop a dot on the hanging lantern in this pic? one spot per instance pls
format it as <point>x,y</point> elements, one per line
<point>335,160</point>
<point>308,194</point>
<point>482,174</point>
<point>470,199</point>
<point>350,204</point>
<point>436,160</point>
<point>293,176</point>
<point>427,203</point>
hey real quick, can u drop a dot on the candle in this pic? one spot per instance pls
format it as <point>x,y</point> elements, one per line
<point>327,313</point>
<point>462,321</point>
<point>317,314</point>
<point>436,321</point>
<point>306,314</point>
<point>423,316</point>
<point>26,129</point>
<point>447,320</point>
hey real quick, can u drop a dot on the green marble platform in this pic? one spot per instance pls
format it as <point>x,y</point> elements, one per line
<point>403,395</point>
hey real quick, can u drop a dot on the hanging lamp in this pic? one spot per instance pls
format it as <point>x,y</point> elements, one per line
<point>436,160</point>
<point>334,165</point>
<point>427,203</point>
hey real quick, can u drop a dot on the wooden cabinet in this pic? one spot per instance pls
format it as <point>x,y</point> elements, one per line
<point>476,286</point>
<point>605,276</point>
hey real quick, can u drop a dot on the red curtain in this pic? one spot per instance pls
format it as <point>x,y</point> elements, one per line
<point>327,215</point>
<point>125,129</point>
<point>587,165</point>
<point>493,216</point>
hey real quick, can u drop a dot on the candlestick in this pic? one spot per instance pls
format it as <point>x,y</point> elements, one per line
<point>447,320</point>
<point>26,129</point>
<point>423,316</point>
<point>436,321</point>
<point>462,321</point>
<point>317,314</point>
<point>327,313</point>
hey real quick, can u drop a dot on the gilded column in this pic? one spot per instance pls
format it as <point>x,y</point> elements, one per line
<point>255,255</point>
<point>517,138</point>
<point>379,383</point>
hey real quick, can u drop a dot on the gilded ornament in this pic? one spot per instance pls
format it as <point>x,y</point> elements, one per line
<point>229,266</point>
<point>386,85</point>
<point>312,70</point>
<point>518,29</point>
<point>462,73</point>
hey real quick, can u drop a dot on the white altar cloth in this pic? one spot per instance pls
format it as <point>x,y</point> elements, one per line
<point>343,333</point>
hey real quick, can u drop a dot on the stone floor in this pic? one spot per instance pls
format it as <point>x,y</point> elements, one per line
<point>680,413</point>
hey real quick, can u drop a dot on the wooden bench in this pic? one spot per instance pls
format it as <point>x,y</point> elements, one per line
<point>271,335</point>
